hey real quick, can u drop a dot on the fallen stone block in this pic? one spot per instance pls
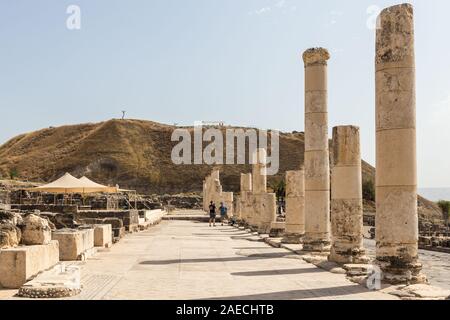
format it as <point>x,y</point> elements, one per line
<point>420,291</point>
<point>35,230</point>
<point>59,282</point>
<point>103,235</point>
<point>75,244</point>
<point>10,236</point>
<point>18,265</point>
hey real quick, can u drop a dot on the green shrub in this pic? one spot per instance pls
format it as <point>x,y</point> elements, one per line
<point>13,173</point>
<point>445,206</point>
<point>279,188</point>
<point>368,188</point>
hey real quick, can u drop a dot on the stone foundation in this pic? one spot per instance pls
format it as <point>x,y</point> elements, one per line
<point>74,244</point>
<point>277,229</point>
<point>130,218</point>
<point>20,264</point>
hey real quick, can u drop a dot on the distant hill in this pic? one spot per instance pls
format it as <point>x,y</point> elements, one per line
<point>135,154</point>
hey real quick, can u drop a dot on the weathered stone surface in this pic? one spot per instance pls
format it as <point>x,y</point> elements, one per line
<point>213,191</point>
<point>14,218</point>
<point>295,206</point>
<point>346,197</point>
<point>36,230</point>
<point>10,236</point>
<point>315,56</point>
<point>421,291</point>
<point>317,173</point>
<point>102,234</point>
<point>19,264</point>
<point>74,244</point>
<point>259,171</point>
<point>242,202</point>
<point>266,205</point>
<point>277,229</point>
<point>59,282</point>
<point>396,175</point>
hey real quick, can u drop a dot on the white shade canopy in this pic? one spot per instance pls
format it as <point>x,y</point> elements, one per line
<point>70,184</point>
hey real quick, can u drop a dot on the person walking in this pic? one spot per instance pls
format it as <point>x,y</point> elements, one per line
<point>212,214</point>
<point>223,212</point>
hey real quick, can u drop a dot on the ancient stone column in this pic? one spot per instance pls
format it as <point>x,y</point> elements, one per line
<point>227,198</point>
<point>396,174</point>
<point>206,193</point>
<point>295,206</point>
<point>267,212</point>
<point>246,189</point>
<point>259,186</point>
<point>259,175</point>
<point>346,197</point>
<point>317,166</point>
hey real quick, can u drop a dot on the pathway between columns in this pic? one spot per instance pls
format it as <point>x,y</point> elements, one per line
<point>189,260</point>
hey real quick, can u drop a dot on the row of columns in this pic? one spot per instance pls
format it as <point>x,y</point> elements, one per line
<point>327,216</point>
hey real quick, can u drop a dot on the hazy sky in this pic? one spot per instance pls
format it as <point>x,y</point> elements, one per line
<point>237,61</point>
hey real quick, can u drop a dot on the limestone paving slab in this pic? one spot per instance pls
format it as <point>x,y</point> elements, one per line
<point>190,260</point>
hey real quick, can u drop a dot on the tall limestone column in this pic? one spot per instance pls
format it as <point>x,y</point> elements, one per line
<point>264,204</point>
<point>246,189</point>
<point>396,175</point>
<point>259,182</point>
<point>206,193</point>
<point>346,197</point>
<point>317,164</point>
<point>295,206</point>
<point>259,187</point>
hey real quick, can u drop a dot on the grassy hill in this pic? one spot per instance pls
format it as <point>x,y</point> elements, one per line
<point>135,154</point>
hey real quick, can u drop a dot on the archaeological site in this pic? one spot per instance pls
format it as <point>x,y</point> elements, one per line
<point>330,208</point>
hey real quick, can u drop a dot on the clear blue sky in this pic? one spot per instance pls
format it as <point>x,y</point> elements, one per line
<point>238,61</point>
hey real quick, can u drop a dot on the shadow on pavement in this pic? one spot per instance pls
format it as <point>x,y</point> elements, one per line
<point>257,256</point>
<point>277,272</point>
<point>300,294</point>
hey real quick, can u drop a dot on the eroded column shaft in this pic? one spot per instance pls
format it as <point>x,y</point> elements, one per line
<point>396,176</point>
<point>295,206</point>
<point>246,189</point>
<point>346,197</point>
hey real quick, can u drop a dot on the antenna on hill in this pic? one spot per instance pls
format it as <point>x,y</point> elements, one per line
<point>123,114</point>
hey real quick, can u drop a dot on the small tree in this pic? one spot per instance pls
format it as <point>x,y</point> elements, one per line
<point>13,173</point>
<point>368,190</point>
<point>445,207</point>
<point>279,188</point>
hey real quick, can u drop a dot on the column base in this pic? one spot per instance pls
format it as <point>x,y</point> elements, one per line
<point>264,228</point>
<point>349,256</point>
<point>292,238</point>
<point>316,245</point>
<point>277,229</point>
<point>397,272</point>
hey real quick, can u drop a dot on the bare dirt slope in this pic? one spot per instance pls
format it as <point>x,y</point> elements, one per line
<point>135,154</point>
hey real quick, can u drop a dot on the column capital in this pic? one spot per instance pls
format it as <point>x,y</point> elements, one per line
<point>316,56</point>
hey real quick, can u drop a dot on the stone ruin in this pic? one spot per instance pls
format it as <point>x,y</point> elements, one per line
<point>33,243</point>
<point>212,191</point>
<point>295,206</point>
<point>325,214</point>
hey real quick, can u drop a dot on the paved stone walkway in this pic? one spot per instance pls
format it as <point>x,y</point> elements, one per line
<point>189,260</point>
